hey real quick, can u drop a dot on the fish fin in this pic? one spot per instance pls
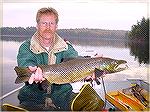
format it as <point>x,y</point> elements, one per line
<point>98,72</point>
<point>66,59</point>
<point>79,57</point>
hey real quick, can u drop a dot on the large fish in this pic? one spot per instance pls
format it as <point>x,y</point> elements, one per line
<point>73,70</point>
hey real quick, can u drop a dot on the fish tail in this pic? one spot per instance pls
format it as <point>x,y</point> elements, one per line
<point>23,74</point>
<point>22,71</point>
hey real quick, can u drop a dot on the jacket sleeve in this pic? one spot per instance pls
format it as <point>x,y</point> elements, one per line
<point>25,56</point>
<point>70,52</point>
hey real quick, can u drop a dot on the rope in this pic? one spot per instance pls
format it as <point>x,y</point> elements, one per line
<point>104,93</point>
<point>11,92</point>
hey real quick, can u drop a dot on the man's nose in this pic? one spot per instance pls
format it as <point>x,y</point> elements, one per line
<point>48,26</point>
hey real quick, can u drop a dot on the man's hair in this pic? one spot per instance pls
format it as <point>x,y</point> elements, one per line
<point>48,10</point>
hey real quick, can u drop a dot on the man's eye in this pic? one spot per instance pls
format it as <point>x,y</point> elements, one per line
<point>47,23</point>
<point>44,23</point>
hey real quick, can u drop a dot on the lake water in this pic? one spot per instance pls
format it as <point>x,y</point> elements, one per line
<point>105,48</point>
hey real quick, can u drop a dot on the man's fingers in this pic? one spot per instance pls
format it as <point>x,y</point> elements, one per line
<point>42,80</point>
<point>39,74</point>
<point>31,79</point>
<point>32,68</point>
<point>88,77</point>
<point>36,77</point>
<point>93,76</point>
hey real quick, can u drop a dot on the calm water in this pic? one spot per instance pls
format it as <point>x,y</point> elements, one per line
<point>105,48</point>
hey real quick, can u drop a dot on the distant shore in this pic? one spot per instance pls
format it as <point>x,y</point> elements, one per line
<point>82,33</point>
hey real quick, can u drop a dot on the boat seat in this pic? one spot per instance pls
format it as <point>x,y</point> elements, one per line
<point>9,107</point>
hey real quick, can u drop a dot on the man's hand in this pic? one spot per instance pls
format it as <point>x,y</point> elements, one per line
<point>37,75</point>
<point>93,76</point>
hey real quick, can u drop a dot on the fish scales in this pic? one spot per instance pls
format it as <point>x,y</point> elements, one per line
<point>76,71</point>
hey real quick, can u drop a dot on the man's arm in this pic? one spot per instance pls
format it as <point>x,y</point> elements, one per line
<point>26,58</point>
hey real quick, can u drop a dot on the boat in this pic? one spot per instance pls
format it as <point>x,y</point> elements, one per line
<point>124,102</point>
<point>111,93</point>
<point>133,98</point>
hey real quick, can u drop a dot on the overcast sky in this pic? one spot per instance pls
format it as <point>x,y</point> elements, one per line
<point>102,14</point>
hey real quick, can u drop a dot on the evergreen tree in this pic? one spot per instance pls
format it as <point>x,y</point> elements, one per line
<point>140,31</point>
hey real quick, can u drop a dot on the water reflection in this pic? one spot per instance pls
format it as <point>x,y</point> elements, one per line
<point>140,51</point>
<point>110,48</point>
<point>100,42</point>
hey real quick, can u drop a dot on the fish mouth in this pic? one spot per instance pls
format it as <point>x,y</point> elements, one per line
<point>120,66</point>
<point>117,66</point>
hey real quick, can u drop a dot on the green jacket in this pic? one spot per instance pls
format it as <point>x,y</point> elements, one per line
<point>32,54</point>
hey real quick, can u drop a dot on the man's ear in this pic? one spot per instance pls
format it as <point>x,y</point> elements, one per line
<point>57,26</point>
<point>37,26</point>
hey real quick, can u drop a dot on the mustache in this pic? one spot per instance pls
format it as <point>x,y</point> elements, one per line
<point>47,31</point>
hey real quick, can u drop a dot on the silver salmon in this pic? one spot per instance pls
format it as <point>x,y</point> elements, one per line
<point>73,70</point>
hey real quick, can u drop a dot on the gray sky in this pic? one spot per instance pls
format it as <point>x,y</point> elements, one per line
<point>102,14</point>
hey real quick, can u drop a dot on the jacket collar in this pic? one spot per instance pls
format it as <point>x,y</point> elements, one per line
<point>59,45</point>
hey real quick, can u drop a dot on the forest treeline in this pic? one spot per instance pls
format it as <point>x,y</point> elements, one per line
<point>83,33</point>
<point>139,40</point>
<point>140,31</point>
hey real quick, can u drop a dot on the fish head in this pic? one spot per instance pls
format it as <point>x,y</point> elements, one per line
<point>113,66</point>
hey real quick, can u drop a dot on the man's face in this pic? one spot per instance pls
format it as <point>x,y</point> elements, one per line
<point>47,26</point>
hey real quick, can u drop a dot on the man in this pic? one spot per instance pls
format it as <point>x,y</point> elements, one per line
<point>47,47</point>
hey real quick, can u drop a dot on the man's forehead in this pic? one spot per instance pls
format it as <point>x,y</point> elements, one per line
<point>47,16</point>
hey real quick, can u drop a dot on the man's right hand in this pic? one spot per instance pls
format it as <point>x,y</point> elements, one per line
<point>37,74</point>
